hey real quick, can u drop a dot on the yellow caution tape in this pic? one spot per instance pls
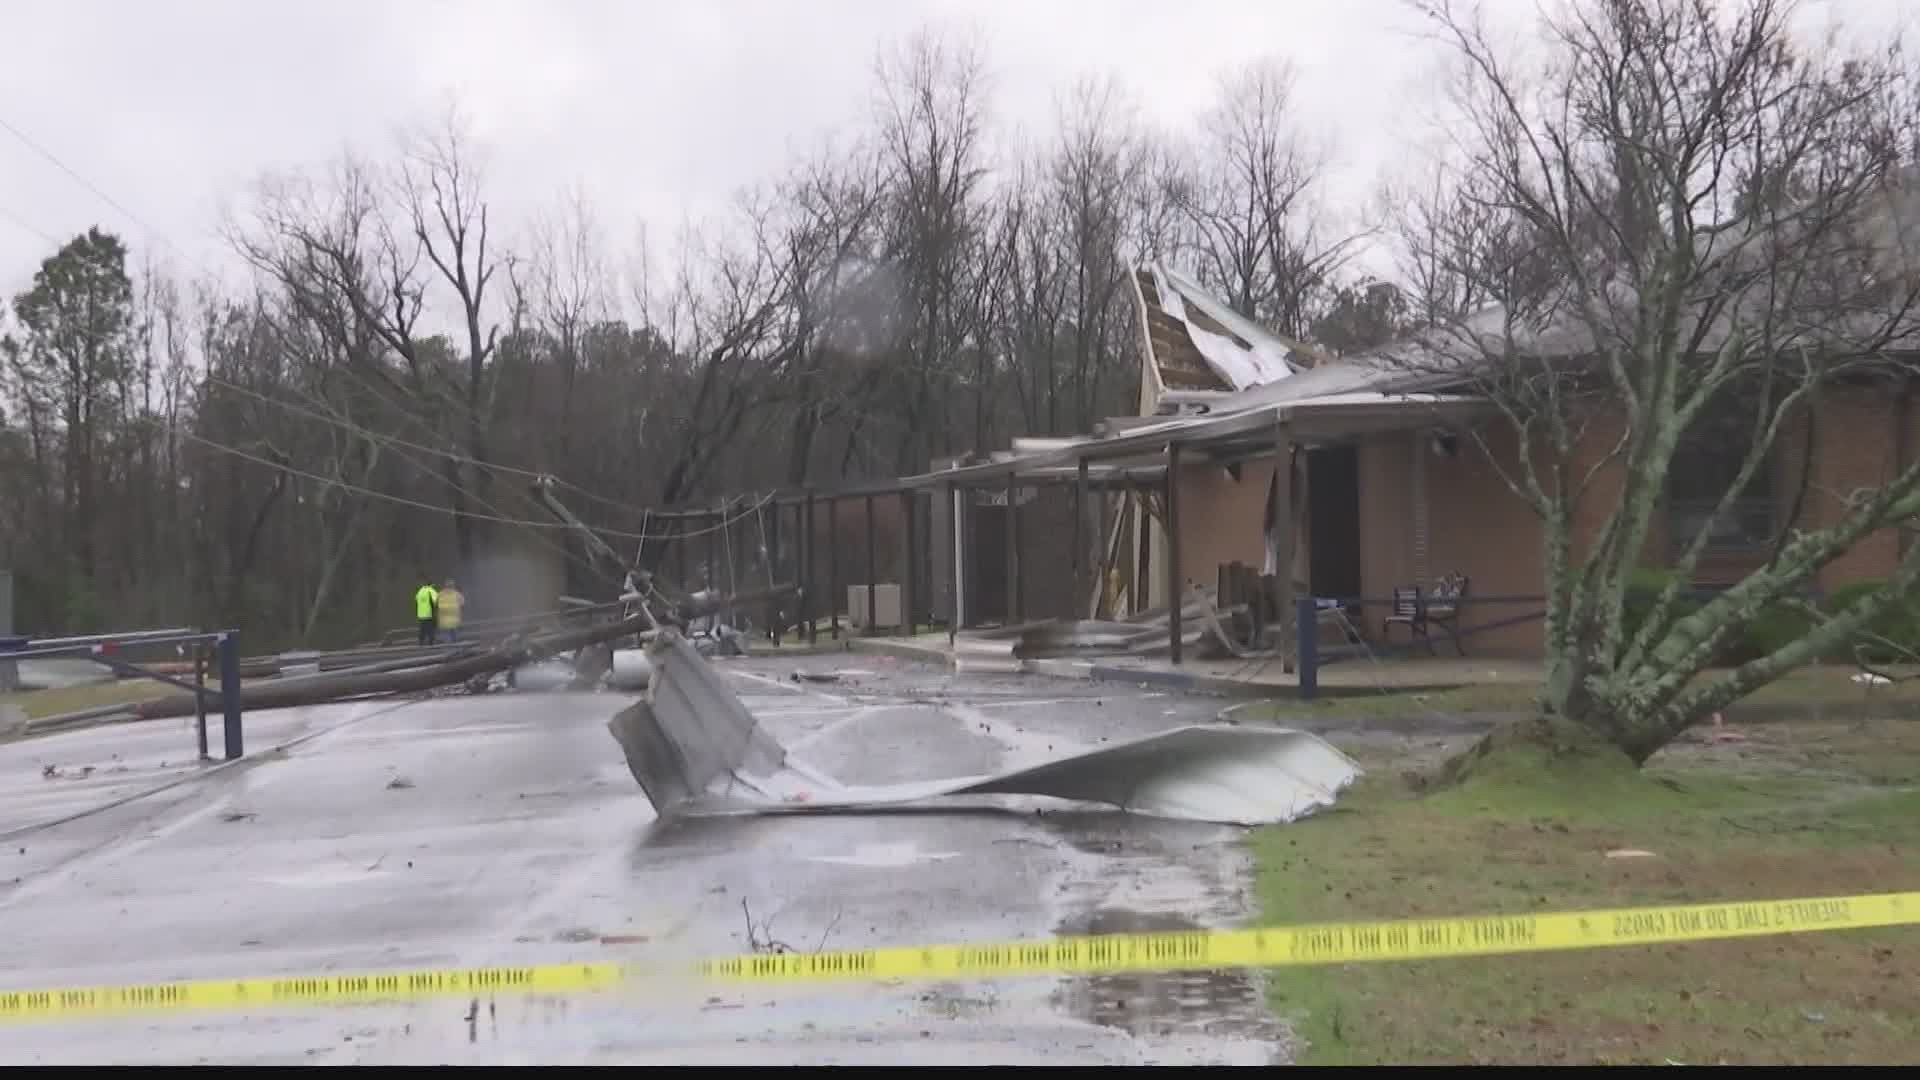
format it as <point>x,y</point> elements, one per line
<point>1327,943</point>
<point>301,990</point>
<point>1333,943</point>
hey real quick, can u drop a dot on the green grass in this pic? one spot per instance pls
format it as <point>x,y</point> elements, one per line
<point>40,703</point>
<point>1821,686</point>
<point>1796,809</point>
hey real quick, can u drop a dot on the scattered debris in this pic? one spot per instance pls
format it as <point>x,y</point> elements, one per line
<point>631,670</point>
<point>399,783</point>
<point>1206,630</point>
<point>760,937</point>
<point>544,676</point>
<point>695,749</point>
<point>232,816</point>
<point>56,772</point>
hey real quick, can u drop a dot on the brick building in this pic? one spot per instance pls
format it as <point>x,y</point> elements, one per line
<point>1396,475</point>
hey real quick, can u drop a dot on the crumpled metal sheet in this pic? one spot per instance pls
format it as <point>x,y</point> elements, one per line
<point>697,750</point>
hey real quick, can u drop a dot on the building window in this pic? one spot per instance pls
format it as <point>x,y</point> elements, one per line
<point>1705,466</point>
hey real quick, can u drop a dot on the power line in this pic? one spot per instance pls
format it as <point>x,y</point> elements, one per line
<point>434,508</point>
<point>393,440</point>
<point>77,177</point>
<point>23,223</point>
<point>397,441</point>
<point>565,551</point>
<point>86,183</point>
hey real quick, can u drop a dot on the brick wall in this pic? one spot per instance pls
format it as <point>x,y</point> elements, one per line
<point>1479,527</point>
<point>1222,520</point>
<point>1854,437</point>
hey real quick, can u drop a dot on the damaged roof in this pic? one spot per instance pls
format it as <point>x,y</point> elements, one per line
<point>1195,342</point>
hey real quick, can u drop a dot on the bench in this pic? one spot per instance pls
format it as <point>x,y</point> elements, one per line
<point>1420,611</point>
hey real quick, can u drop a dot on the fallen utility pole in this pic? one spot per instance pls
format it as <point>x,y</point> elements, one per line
<point>318,689</point>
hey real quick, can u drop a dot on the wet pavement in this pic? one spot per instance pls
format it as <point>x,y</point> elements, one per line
<point>464,831</point>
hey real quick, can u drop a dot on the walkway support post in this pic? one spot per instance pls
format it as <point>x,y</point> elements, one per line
<point>1176,593</point>
<point>1281,539</point>
<point>229,649</point>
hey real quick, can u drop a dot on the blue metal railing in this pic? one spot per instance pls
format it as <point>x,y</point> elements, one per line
<point>104,649</point>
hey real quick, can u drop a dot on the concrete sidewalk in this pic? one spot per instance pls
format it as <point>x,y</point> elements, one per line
<point>1233,677</point>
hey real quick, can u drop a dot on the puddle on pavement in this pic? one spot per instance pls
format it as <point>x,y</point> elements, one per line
<point>1166,1005</point>
<point>1113,833</point>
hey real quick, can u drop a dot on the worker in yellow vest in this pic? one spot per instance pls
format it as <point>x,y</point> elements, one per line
<point>426,600</point>
<point>447,603</point>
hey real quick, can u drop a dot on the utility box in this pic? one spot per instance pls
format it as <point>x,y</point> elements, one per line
<point>886,607</point>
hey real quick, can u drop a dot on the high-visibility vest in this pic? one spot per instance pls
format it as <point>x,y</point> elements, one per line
<point>423,601</point>
<point>450,603</point>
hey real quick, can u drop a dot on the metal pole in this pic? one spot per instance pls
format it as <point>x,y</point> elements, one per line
<point>1080,552</point>
<point>9,670</point>
<point>956,610</point>
<point>680,555</point>
<point>1176,593</point>
<point>1283,538</point>
<point>833,566</point>
<point>230,691</point>
<point>713,551</point>
<point>1307,635</point>
<point>772,557</point>
<point>200,694</point>
<point>873,571</point>
<point>1010,532</point>
<point>806,575</point>
<point>909,589</point>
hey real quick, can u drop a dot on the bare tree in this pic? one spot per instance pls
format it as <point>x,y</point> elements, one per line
<point>1099,163</point>
<point>828,224</point>
<point>733,340</point>
<point>931,117</point>
<point>1248,190</point>
<point>1686,223</point>
<point>447,211</point>
<point>571,292</point>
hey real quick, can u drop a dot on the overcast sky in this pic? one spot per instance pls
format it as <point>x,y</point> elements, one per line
<point>657,110</point>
